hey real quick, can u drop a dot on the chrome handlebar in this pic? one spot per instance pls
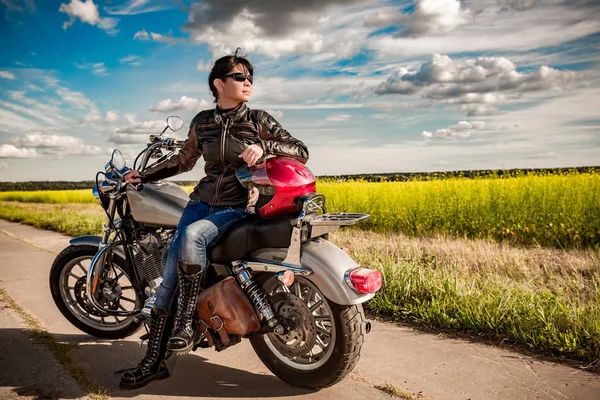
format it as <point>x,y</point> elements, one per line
<point>158,143</point>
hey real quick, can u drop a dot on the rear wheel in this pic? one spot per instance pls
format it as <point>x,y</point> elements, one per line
<point>68,287</point>
<point>324,345</point>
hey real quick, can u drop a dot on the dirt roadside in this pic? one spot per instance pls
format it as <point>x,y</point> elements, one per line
<point>421,364</point>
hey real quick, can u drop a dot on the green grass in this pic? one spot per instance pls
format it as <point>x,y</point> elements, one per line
<point>543,299</point>
<point>70,219</point>
<point>552,211</point>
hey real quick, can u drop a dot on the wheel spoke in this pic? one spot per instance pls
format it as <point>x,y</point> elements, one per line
<point>322,317</point>
<point>82,268</point>
<point>309,295</point>
<point>122,308</point>
<point>127,299</point>
<point>316,306</point>
<point>72,275</point>
<point>323,331</point>
<point>118,276</point>
<point>126,287</point>
<point>321,343</point>
<point>297,289</point>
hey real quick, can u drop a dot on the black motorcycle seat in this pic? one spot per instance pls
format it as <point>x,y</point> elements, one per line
<point>250,234</point>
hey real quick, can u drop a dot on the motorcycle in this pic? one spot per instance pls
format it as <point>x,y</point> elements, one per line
<point>274,278</point>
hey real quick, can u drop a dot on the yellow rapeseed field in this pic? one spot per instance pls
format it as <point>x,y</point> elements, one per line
<point>560,211</point>
<point>547,210</point>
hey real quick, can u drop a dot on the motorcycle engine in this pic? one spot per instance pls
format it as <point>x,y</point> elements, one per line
<point>150,254</point>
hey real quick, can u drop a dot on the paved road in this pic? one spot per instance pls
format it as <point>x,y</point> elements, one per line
<point>426,365</point>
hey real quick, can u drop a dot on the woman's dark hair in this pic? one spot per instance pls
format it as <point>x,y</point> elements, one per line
<point>225,65</point>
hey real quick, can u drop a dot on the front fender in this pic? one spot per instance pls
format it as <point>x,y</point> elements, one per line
<point>329,264</point>
<point>95,241</point>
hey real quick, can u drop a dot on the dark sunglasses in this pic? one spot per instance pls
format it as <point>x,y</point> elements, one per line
<point>239,77</point>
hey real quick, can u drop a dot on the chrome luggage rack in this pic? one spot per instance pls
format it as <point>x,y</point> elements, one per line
<point>313,221</point>
<point>337,218</point>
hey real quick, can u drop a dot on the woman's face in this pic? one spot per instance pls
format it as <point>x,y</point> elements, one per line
<point>234,91</point>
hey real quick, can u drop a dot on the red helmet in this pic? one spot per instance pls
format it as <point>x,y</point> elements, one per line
<point>280,181</point>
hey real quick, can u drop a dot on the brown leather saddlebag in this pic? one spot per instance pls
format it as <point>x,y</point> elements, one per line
<point>225,308</point>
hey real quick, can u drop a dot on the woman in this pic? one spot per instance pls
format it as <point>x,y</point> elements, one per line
<point>227,136</point>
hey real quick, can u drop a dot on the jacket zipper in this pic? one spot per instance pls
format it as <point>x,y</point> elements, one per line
<point>223,132</point>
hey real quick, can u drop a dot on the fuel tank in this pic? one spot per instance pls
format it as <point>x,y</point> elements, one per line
<point>158,204</point>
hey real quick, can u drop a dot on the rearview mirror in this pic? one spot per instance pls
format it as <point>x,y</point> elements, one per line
<point>117,160</point>
<point>174,123</point>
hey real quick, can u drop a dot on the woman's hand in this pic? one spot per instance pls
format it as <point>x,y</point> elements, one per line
<point>252,154</point>
<point>133,177</point>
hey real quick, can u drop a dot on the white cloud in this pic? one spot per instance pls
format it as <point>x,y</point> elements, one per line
<point>141,35</point>
<point>338,117</point>
<point>10,151</point>
<point>497,29</point>
<point>98,69</point>
<point>88,13</point>
<point>157,37</point>
<point>430,17</point>
<point>80,149</point>
<point>184,103</point>
<point>7,75</point>
<point>225,39</point>
<point>462,129</point>
<point>479,110</point>
<point>61,145</point>
<point>204,66</point>
<point>35,88</point>
<point>145,128</point>
<point>94,117</point>
<point>484,80</point>
<point>306,27</point>
<point>112,116</point>
<point>131,60</point>
<point>32,111</point>
<point>126,138</point>
<point>78,99</point>
<point>134,7</point>
<point>43,140</point>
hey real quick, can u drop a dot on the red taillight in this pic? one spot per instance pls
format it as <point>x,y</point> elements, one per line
<point>365,280</point>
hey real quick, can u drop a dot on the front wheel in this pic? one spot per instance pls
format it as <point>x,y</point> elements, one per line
<point>68,287</point>
<point>324,345</point>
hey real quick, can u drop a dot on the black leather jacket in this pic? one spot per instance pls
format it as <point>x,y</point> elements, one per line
<point>221,137</point>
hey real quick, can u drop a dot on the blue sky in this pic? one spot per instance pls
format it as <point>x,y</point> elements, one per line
<point>369,85</point>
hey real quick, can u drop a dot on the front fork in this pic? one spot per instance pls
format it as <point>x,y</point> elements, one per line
<point>98,263</point>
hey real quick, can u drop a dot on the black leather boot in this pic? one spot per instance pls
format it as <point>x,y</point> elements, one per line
<point>185,330</point>
<point>153,364</point>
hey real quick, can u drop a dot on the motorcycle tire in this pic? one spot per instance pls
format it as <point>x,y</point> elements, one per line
<point>351,327</point>
<point>121,330</point>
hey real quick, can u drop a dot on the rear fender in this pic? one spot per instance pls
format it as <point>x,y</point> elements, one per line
<point>328,264</point>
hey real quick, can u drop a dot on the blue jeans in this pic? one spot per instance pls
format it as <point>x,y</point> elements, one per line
<point>200,226</point>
